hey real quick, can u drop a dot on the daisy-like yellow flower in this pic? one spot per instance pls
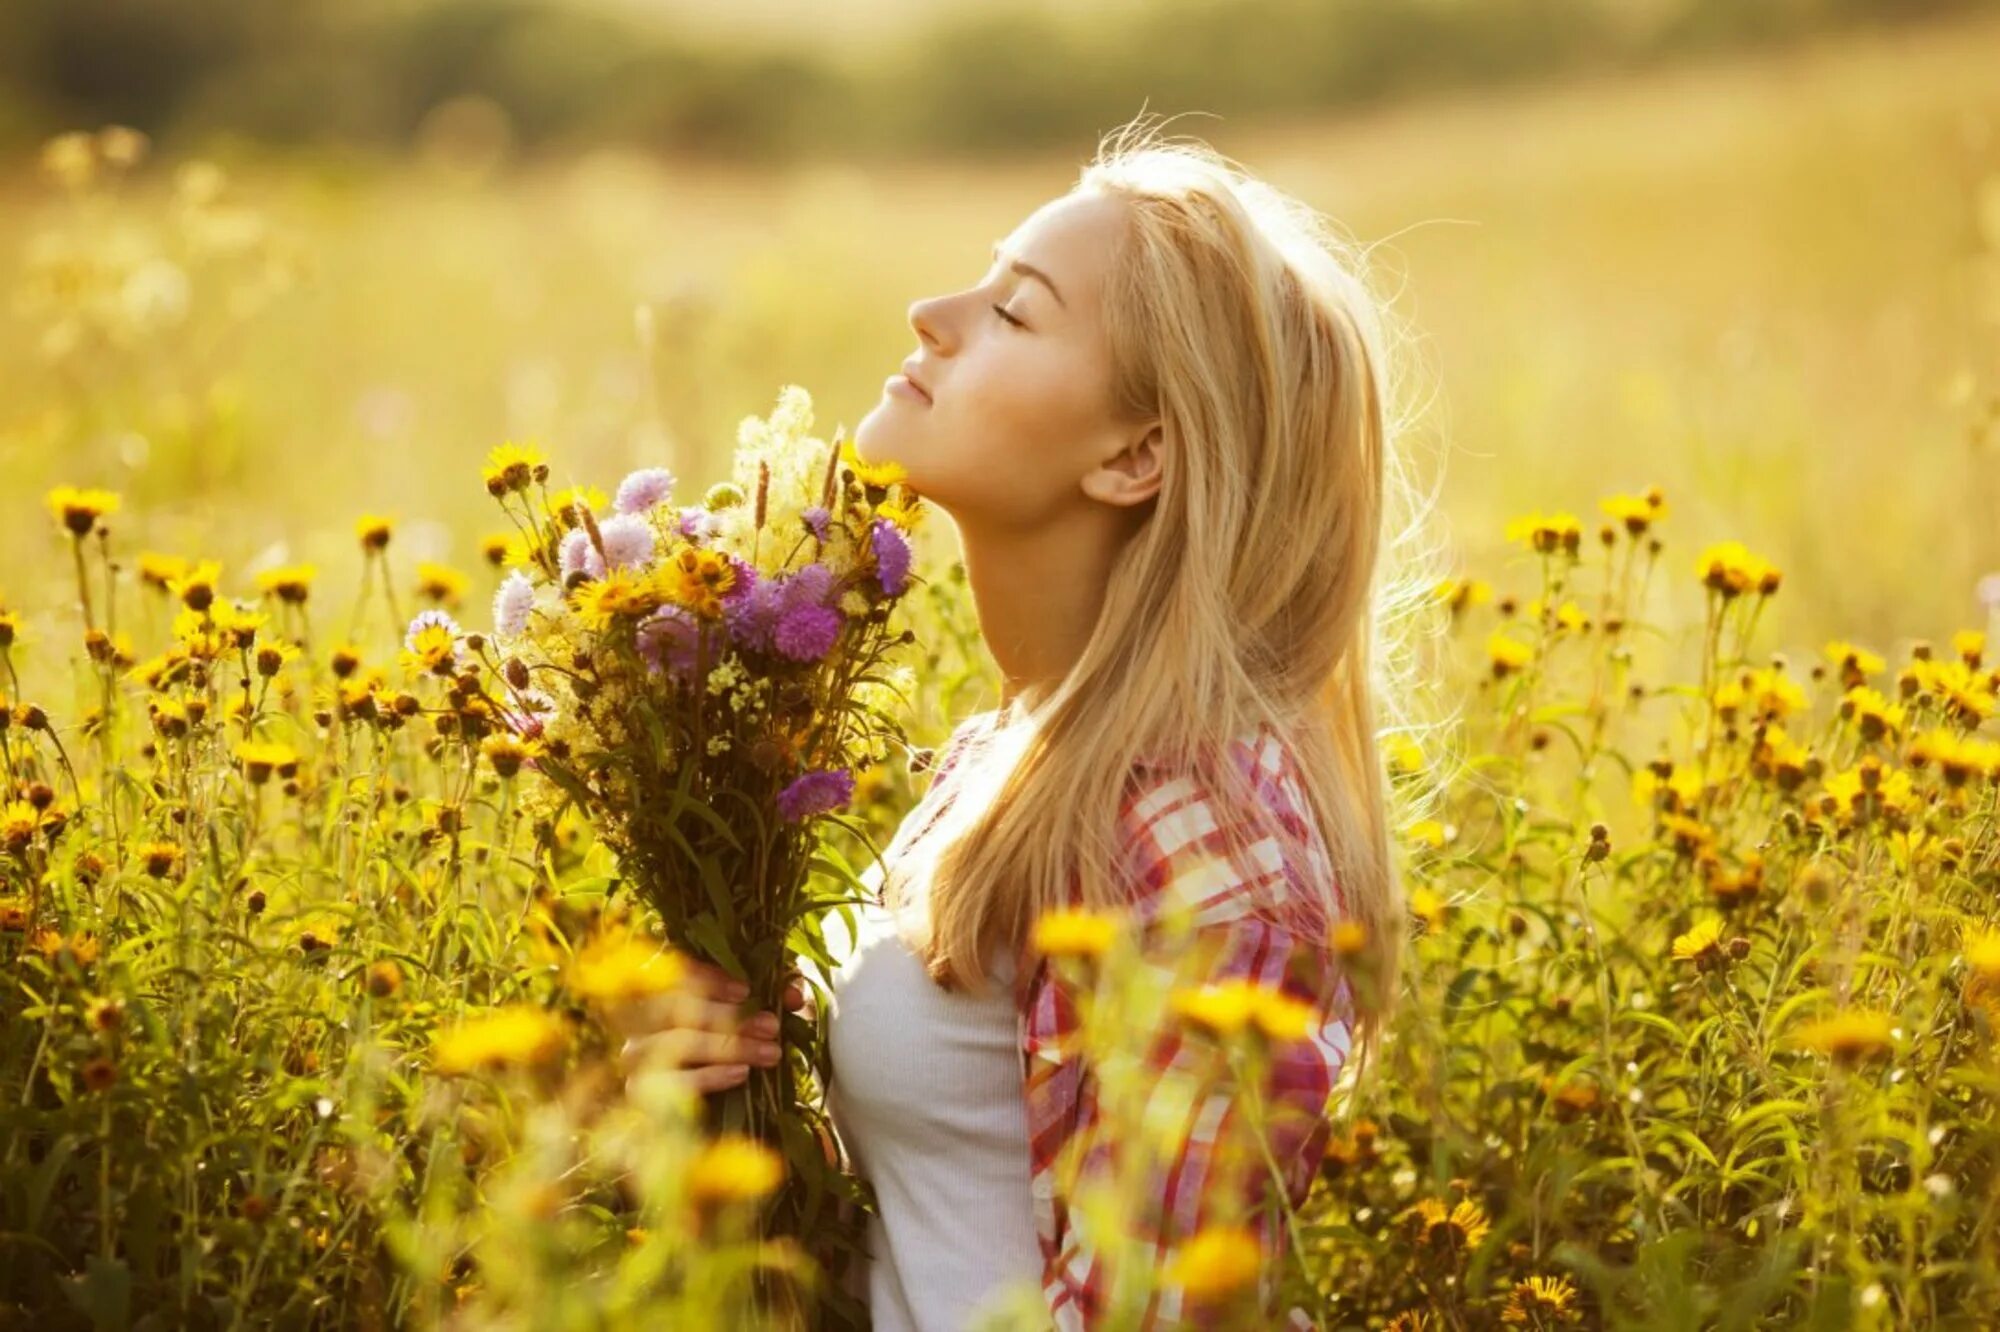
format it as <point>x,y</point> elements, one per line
<point>1856,663</point>
<point>1729,568</point>
<point>1429,906</point>
<point>1849,1037</point>
<point>1869,790</point>
<point>619,966</point>
<point>196,585</point>
<point>1075,932</point>
<point>237,625</point>
<point>621,593</point>
<point>1959,759</point>
<point>161,859</point>
<point>1981,950</point>
<point>1874,716</point>
<point>441,584</point>
<point>496,547</point>
<point>1240,1005</point>
<point>1547,533</point>
<point>507,753</point>
<point>291,583</point>
<point>1349,939</point>
<point>511,468</point>
<point>13,914</point>
<point>261,759</point>
<point>1461,594</point>
<point>697,579</point>
<point>1507,654</point>
<point>1970,645</point>
<point>878,475</point>
<point>78,510</point>
<point>905,516</point>
<point>513,1036</point>
<point>1453,1230</point>
<point>373,531</point>
<point>19,822</point>
<point>1636,512</point>
<point>1405,754</point>
<point>159,571</point>
<point>1215,1263</point>
<point>1542,1302</point>
<point>1701,944</point>
<point>1427,832</point>
<point>563,502</point>
<point>733,1168</point>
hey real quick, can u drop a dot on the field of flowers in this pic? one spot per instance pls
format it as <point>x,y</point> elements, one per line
<point>303,966</point>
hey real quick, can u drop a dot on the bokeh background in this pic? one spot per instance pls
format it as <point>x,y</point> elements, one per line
<point>1746,250</point>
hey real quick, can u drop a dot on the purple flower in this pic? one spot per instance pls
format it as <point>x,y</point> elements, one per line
<point>512,603</point>
<point>807,587</point>
<point>807,633</point>
<point>697,523</point>
<point>628,540</point>
<point>892,557</point>
<point>643,489</point>
<point>816,519</point>
<point>815,793</point>
<point>668,640</point>
<point>579,556</point>
<point>528,723</point>
<point>751,607</point>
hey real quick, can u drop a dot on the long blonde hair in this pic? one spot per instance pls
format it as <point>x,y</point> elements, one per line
<point>1252,594</point>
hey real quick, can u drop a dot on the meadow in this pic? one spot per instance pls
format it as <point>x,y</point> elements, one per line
<point>1699,1023</point>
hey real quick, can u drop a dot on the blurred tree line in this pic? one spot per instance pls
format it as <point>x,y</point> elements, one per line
<point>367,72</point>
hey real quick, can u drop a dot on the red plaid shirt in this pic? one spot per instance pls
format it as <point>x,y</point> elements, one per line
<point>1253,919</point>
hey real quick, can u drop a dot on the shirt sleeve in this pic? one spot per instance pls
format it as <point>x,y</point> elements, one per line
<point>1170,1115</point>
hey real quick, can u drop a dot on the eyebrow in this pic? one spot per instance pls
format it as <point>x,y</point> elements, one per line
<point>1029,270</point>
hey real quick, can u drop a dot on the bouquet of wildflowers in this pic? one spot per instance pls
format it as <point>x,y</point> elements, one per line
<point>702,681</point>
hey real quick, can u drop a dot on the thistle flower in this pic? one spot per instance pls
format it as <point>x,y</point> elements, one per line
<point>628,541</point>
<point>816,793</point>
<point>696,523</point>
<point>667,640</point>
<point>512,604</point>
<point>643,490</point>
<point>578,556</point>
<point>816,519</point>
<point>892,556</point>
<point>808,633</point>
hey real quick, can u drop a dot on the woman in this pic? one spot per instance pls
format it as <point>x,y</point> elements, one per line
<point>1158,425</point>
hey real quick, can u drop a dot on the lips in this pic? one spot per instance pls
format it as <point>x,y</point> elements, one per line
<point>910,373</point>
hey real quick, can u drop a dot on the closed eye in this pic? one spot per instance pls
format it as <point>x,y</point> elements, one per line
<point>1009,318</point>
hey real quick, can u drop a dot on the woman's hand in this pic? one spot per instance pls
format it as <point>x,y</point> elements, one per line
<point>699,1030</point>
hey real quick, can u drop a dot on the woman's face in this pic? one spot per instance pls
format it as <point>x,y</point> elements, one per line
<point>1019,425</point>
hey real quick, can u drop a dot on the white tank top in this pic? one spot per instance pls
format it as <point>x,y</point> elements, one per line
<point>925,1093</point>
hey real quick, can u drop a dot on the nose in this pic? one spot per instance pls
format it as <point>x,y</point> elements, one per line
<point>924,318</point>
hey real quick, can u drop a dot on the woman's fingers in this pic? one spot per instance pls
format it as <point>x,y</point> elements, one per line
<point>675,1008</point>
<point>688,1047</point>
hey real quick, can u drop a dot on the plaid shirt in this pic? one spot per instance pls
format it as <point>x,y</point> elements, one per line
<point>1252,920</point>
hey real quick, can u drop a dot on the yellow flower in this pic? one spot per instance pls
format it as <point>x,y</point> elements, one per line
<point>1541,1302</point>
<point>1460,594</point>
<point>1982,954</point>
<point>373,531</point>
<point>78,510</point>
<point>904,516</point>
<point>1075,932</point>
<point>441,583</point>
<point>1959,759</point>
<point>1454,1230</point>
<point>1349,938</point>
<point>1970,645</point>
<point>508,752</point>
<point>1872,714</point>
<point>1506,654</point>
<point>433,649</point>
<point>1702,944</point>
<point>1729,568</point>
<point>697,579</point>
<point>1545,534</point>
<point>237,626</point>
<point>292,583</point>
<point>1427,832</point>
<point>626,593</point>
<point>1637,512</point>
<point>496,548</point>
<point>733,1168</point>
<point>619,966</point>
<point>1856,663</point>
<point>563,501</point>
<point>518,1035</point>
<point>260,760</point>
<point>1429,907</point>
<point>159,571</point>
<point>19,821</point>
<point>512,468</point>
<point>1239,1004</point>
<point>1405,754</point>
<point>160,858</point>
<point>196,586</point>
<point>871,474</point>
<point>1849,1036</point>
<point>1216,1262</point>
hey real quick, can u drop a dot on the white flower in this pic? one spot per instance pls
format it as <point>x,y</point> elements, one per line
<point>512,603</point>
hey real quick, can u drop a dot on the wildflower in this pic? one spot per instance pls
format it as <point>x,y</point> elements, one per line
<point>1729,568</point>
<point>1701,944</point>
<point>260,760</point>
<point>512,604</point>
<point>511,468</point>
<point>808,632</point>
<point>507,753</point>
<point>1873,715</point>
<point>1867,791</point>
<point>619,966</point>
<point>431,643</point>
<point>517,1035</point>
<point>1427,832</point>
<point>733,1168</point>
<point>1856,663</point>
<point>1228,1007</point>
<point>1982,954</point>
<point>441,583</point>
<point>105,1014</point>
<point>577,556</point>
<point>292,583</point>
<point>1637,512</point>
<point>161,858</point>
<point>892,557</point>
<point>563,504</point>
<point>699,579</point>
<point>1506,654</point>
<point>877,475</point>
<point>372,530</point>
<point>816,519</point>
<point>1545,534</point>
<point>1454,1230</point>
<point>13,915</point>
<point>196,586</point>
<point>1850,1036</point>
<point>1541,1302</point>
<point>19,821</point>
<point>667,640</point>
<point>628,541</point>
<point>1970,645</point>
<point>1405,754</point>
<point>643,490</point>
<point>385,978</point>
<point>497,549</point>
<point>816,793</point>
<point>696,523</point>
<point>1216,1262</point>
<point>1460,594</point>
<point>620,594</point>
<point>1429,907</point>
<point>99,1073</point>
<point>78,510</point>
<point>1074,932</point>
<point>1959,759</point>
<point>1349,939</point>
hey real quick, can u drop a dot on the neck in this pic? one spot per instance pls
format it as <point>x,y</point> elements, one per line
<point>1038,594</point>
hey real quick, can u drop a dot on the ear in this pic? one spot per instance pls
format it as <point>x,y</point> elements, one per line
<point>1133,474</point>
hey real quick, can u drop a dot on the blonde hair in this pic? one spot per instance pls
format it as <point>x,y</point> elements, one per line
<point>1255,592</point>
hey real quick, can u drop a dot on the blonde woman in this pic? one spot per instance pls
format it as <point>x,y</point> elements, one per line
<point>1158,424</point>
